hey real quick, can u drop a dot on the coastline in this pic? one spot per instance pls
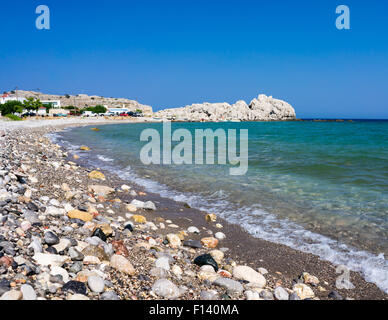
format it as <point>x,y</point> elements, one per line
<point>283,264</point>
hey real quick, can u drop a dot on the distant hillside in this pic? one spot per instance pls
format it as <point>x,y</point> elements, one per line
<point>84,100</point>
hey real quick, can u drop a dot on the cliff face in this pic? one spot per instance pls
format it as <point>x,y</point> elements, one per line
<point>262,108</point>
<point>84,100</point>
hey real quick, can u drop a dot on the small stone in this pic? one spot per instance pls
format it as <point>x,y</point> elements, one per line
<point>75,286</point>
<point>335,295</point>
<point>84,148</point>
<point>46,259</point>
<point>139,219</point>
<point>12,295</point>
<point>209,242</point>
<point>149,205</point>
<point>193,230</point>
<point>122,264</point>
<point>211,217</point>
<point>281,294</point>
<point>209,295</point>
<point>248,274</point>
<point>109,295</point>
<point>309,279</point>
<point>266,295</point>
<point>252,295</point>
<point>217,255</point>
<point>192,244</point>
<point>28,292</point>
<point>166,289</point>
<point>103,191</point>
<point>174,240</point>
<point>81,215</point>
<point>97,175</point>
<point>220,236</point>
<point>206,259</point>
<point>100,234</point>
<point>163,262</point>
<point>177,270</point>
<point>96,284</point>
<point>232,286</point>
<point>75,255</point>
<point>303,291</point>
<point>51,238</point>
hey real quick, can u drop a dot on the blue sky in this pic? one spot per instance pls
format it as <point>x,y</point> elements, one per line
<point>173,53</point>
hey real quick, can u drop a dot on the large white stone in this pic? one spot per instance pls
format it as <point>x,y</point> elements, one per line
<point>248,274</point>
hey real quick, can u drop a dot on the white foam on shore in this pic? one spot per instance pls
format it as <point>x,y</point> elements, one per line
<point>105,159</point>
<point>267,226</point>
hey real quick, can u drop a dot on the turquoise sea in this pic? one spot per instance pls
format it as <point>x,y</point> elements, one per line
<point>319,187</point>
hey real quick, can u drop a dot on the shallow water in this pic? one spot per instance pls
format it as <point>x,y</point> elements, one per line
<point>320,187</point>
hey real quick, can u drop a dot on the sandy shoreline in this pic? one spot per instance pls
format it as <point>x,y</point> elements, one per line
<point>284,265</point>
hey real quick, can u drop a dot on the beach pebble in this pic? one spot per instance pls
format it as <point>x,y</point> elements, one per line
<point>109,295</point>
<point>28,292</point>
<point>193,230</point>
<point>206,259</point>
<point>163,262</point>
<point>177,271</point>
<point>166,289</point>
<point>174,240</point>
<point>209,242</point>
<point>220,236</point>
<point>266,295</point>
<point>217,255</point>
<point>96,284</point>
<point>248,274</point>
<point>51,238</point>
<point>281,294</point>
<point>303,291</point>
<point>232,286</point>
<point>209,295</point>
<point>149,205</point>
<point>122,264</point>
<point>252,295</point>
<point>12,295</point>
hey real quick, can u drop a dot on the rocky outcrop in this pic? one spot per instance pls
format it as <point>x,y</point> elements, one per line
<point>262,108</point>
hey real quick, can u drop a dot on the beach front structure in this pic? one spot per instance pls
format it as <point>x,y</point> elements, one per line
<point>117,111</point>
<point>55,104</point>
<point>5,98</point>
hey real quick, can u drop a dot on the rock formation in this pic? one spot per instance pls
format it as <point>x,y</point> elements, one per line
<point>261,109</point>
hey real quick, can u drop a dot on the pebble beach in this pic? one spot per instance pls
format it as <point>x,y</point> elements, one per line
<point>73,232</point>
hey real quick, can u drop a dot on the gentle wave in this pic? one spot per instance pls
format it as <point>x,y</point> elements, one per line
<point>261,224</point>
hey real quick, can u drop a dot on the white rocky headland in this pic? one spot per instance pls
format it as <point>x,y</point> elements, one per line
<point>261,109</point>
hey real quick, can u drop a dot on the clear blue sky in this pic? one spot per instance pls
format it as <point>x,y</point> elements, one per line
<point>172,53</point>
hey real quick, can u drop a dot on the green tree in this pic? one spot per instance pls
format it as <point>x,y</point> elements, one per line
<point>32,104</point>
<point>139,111</point>
<point>99,109</point>
<point>11,107</point>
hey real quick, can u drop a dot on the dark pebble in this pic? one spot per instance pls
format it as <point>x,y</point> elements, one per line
<point>129,227</point>
<point>75,286</point>
<point>100,234</point>
<point>192,244</point>
<point>51,238</point>
<point>206,259</point>
<point>32,206</point>
<point>52,250</point>
<point>335,295</point>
